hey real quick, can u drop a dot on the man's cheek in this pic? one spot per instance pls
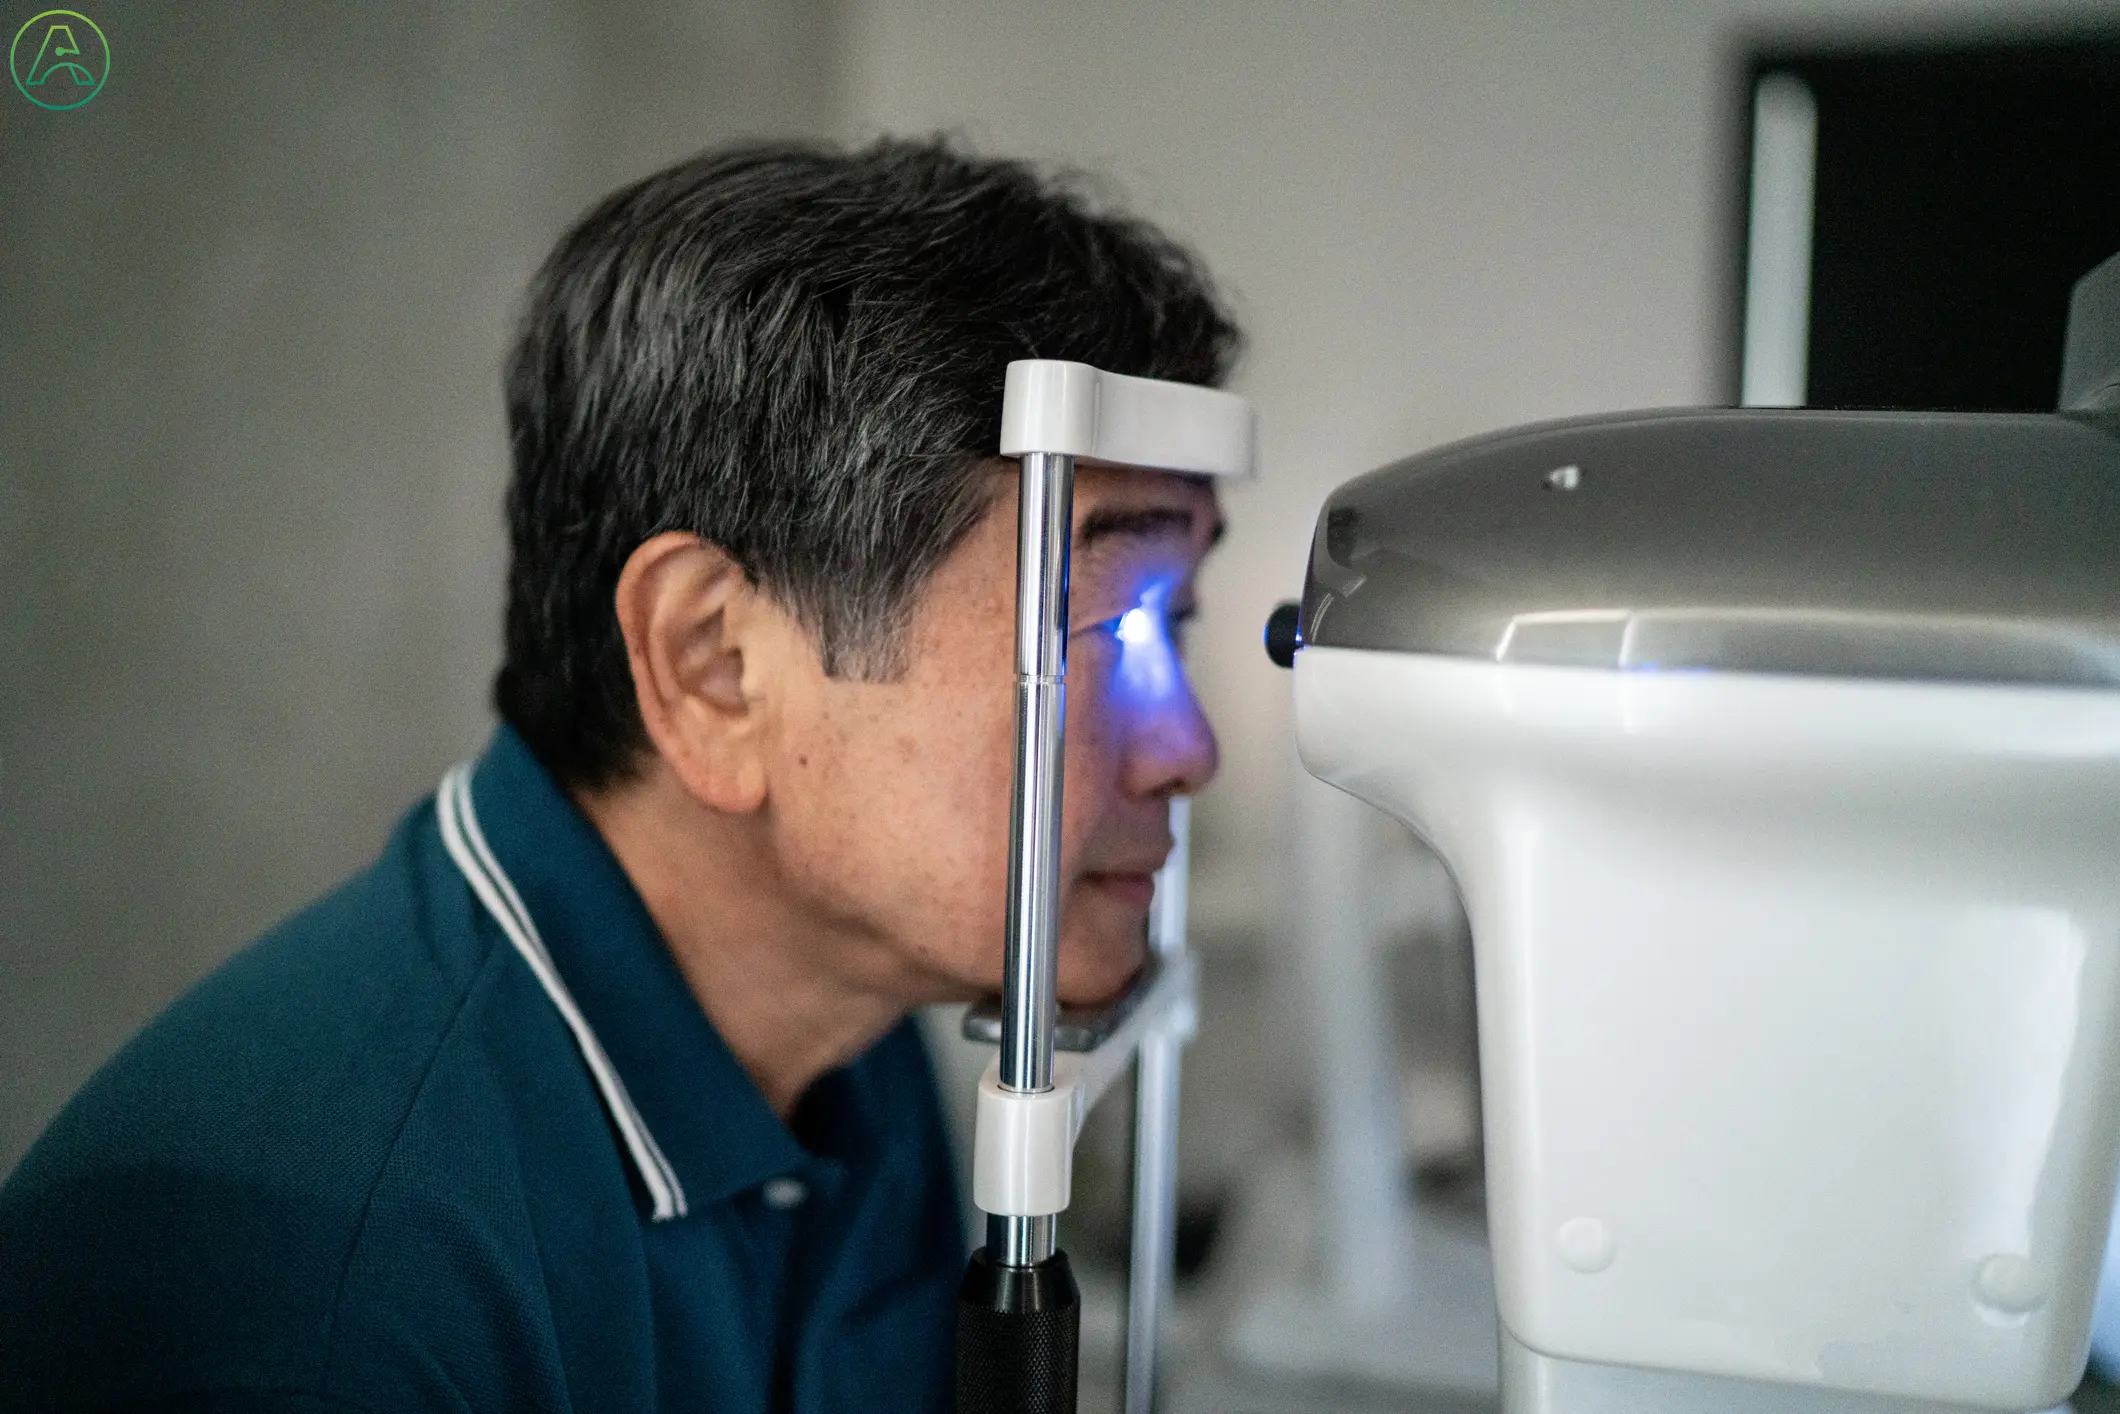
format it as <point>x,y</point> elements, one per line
<point>1091,778</point>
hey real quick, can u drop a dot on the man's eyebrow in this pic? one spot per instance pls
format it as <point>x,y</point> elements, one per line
<point>1145,522</point>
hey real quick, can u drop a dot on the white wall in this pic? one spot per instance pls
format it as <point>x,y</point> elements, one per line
<point>1436,219</point>
<point>253,304</point>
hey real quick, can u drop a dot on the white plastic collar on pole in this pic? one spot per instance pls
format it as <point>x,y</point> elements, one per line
<point>1079,411</point>
<point>1023,1148</point>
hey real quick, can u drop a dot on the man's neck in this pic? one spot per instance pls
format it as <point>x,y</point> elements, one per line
<point>784,989</point>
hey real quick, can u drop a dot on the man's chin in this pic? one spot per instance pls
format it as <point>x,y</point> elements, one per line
<point>1095,970</point>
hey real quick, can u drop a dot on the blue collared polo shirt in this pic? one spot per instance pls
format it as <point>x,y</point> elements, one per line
<point>365,1165</point>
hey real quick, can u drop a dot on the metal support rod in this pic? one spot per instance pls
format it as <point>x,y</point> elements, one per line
<point>1020,1242</point>
<point>1148,1282</point>
<point>1778,260</point>
<point>1150,1269</point>
<point>1363,1223</point>
<point>1044,530</point>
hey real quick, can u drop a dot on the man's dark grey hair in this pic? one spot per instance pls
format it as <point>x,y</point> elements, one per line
<point>797,354</point>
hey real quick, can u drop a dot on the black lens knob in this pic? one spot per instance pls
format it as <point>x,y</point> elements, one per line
<point>1284,634</point>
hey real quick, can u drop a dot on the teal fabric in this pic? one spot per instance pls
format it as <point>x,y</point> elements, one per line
<point>363,1166</point>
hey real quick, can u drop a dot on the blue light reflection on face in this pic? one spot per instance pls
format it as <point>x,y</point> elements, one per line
<point>1148,673</point>
<point>1137,627</point>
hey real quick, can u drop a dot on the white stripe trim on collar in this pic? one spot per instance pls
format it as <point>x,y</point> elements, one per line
<point>466,844</point>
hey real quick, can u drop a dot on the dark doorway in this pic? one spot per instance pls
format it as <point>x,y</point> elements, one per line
<point>1960,190</point>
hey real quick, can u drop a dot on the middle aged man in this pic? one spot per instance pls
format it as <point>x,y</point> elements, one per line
<point>598,1090</point>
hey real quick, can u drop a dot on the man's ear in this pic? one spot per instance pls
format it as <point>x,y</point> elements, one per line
<point>688,612</point>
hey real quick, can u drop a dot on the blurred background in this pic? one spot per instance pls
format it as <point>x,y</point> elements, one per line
<point>254,299</point>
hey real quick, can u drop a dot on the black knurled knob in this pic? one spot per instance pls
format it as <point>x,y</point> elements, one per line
<point>1018,1337</point>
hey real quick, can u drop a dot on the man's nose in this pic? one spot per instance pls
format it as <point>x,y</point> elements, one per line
<point>1170,749</point>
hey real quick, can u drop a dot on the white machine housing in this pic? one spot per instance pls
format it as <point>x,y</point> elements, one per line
<point>1797,1008</point>
<point>1776,757</point>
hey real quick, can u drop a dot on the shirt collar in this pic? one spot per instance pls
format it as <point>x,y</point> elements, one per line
<point>709,1117</point>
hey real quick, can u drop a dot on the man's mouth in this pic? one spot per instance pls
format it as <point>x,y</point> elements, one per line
<point>1130,887</point>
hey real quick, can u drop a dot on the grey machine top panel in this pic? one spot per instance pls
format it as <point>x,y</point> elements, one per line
<point>1959,546</point>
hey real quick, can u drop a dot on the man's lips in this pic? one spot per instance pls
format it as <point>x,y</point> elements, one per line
<point>1134,888</point>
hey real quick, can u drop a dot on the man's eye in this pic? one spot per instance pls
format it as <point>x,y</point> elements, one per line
<point>1148,621</point>
<point>1107,627</point>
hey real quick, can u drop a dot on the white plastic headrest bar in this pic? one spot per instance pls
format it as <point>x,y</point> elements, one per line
<point>1080,411</point>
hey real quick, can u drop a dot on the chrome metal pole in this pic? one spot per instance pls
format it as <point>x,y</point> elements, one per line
<point>1150,1270</point>
<point>1021,1242</point>
<point>1044,530</point>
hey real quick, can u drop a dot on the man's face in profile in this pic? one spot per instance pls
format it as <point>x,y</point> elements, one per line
<point>891,800</point>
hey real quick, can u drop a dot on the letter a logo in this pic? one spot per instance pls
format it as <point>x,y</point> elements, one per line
<point>59,60</point>
<point>57,52</point>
